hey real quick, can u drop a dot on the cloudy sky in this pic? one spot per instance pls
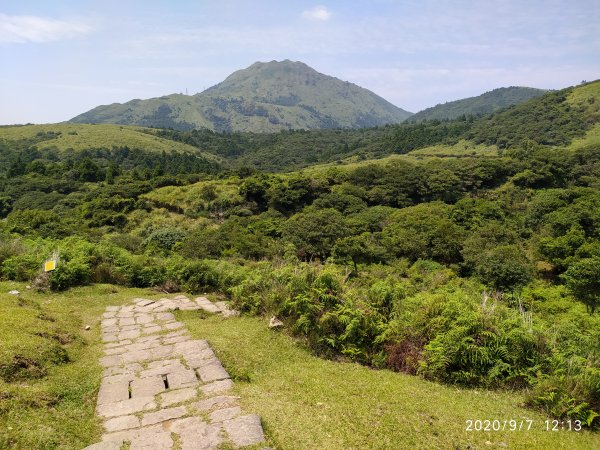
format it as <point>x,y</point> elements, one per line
<point>63,57</point>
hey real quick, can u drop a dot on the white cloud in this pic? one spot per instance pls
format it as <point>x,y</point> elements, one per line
<point>317,13</point>
<point>19,29</point>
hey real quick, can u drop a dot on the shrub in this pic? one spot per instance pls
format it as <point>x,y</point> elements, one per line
<point>9,248</point>
<point>70,272</point>
<point>315,231</point>
<point>583,280</point>
<point>504,268</point>
<point>164,239</point>
<point>423,231</point>
<point>22,267</point>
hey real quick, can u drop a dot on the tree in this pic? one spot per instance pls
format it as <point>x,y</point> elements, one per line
<point>5,206</point>
<point>291,195</point>
<point>16,168</point>
<point>112,171</point>
<point>254,189</point>
<point>583,280</point>
<point>344,203</point>
<point>359,249</point>
<point>315,231</point>
<point>88,170</point>
<point>424,232</point>
<point>504,268</point>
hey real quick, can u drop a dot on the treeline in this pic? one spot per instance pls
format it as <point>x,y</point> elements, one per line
<point>294,149</point>
<point>19,158</point>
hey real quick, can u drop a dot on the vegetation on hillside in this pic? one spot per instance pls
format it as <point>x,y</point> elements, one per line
<point>481,105</point>
<point>455,262</point>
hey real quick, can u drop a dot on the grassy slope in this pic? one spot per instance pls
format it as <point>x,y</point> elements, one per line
<point>591,138</point>
<point>184,110</point>
<point>587,98</point>
<point>461,149</point>
<point>56,410</point>
<point>80,137</point>
<point>306,402</point>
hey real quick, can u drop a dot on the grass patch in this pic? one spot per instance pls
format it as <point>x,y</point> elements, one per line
<point>307,402</point>
<point>462,148</point>
<point>48,398</point>
<point>65,136</point>
<point>591,139</point>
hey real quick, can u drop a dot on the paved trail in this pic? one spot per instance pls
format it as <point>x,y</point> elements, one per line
<point>163,390</point>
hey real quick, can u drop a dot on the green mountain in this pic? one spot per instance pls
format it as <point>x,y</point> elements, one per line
<point>567,118</point>
<point>477,106</point>
<point>265,97</point>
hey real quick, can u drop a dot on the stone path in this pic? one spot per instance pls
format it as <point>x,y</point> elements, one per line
<point>163,390</point>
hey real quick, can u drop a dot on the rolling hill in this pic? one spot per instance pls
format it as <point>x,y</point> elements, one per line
<point>482,104</point>
<point>265,97</point>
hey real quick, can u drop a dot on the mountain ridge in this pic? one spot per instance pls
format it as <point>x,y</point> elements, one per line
<point>479,105</point>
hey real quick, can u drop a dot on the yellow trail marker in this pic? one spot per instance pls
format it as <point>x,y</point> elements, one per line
<point>50,265</point>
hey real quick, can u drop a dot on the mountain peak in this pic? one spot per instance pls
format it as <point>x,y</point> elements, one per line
<point>264,97</point>
<point>275,74</point>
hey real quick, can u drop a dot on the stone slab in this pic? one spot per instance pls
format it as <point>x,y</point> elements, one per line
<point>182,378</point>
<point>108,323</point>
<point>163,415</point>
<point>165,316</point>
<point>177,396</point>
<point>126,320</point>
<point>113,392</point>
<point>135,364</point>
<point>126,407</point>
<point>195,434</point>
<point>217,387</point>
<point>245,430</point>
<point>111,361</point>
<point>147,387</point>
<point>212,372</point>
<point>111,445</point>
<point>143,318</point>
<point>121,423</point>
<point>153,441</point>
<point>219,402</point>
<point>130,334</point>
<point>221,415</point>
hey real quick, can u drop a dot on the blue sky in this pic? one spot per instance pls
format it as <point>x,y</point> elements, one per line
<point>61,58</point>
